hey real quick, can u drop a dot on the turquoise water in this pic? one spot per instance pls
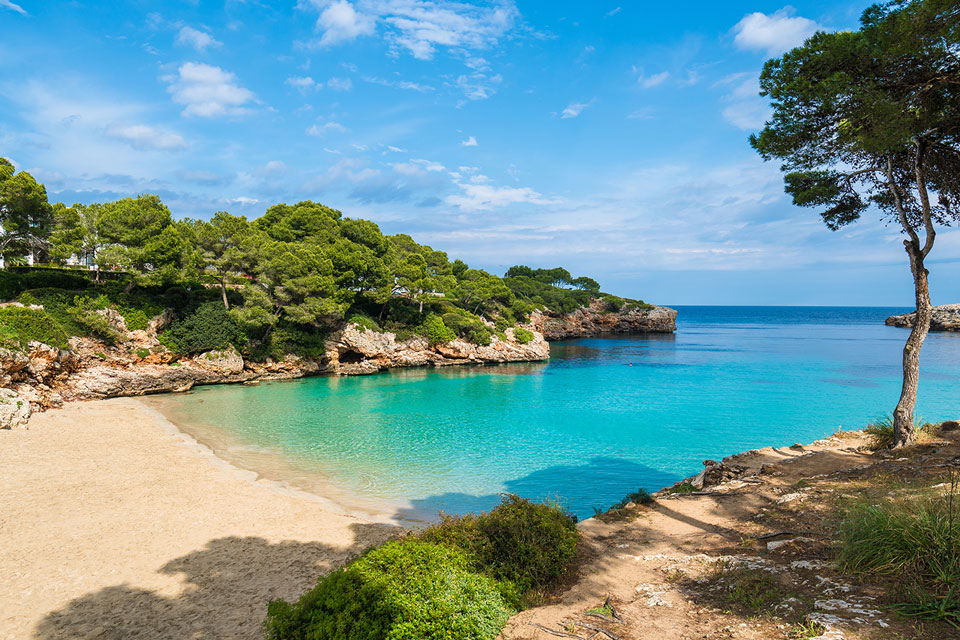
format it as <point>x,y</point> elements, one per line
<point>602,418</point>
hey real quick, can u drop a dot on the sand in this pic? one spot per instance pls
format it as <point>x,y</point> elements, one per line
<point>115,525</point>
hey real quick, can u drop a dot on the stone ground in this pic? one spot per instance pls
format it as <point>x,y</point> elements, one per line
<point>748,559</point>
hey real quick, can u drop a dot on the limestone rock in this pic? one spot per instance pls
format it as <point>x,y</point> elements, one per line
<point>14,410</point>
<point>115,320</point>
<point>225,363</point>
<point>596,319</point>
<point>945,318</point>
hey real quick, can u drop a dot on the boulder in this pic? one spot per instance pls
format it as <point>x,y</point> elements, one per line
<point>14,410</point>
<point>950,425</point>
<point>945,318</point>
<point>224,363</point>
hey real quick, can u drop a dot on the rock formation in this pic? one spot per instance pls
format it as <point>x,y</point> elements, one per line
<point>945,318</point>
<point>598,319</point>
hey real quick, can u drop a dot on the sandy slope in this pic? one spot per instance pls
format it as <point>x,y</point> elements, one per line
<point>112,525</point>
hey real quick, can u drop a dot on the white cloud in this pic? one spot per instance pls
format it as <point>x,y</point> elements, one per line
<point>199,40</point>
<point>469,142</point>
<point>340,22</point>
<point>774,33</point>
<point>477,86</point>
<point>7,4</point>
<point>323,129</point>
<point>648,82</point>
<point>614,12</point>
<point>417,26</point>
<point>399,84</point>
<point>745,108</point>
<point>303,83</point>
<point>207,91</point>
<point>243,200</point>
<point>575,109</point>
<point>142,136</point>
<point>484,197</point>
<point>340,84</point>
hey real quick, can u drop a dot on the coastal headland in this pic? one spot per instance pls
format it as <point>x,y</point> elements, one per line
<point>137,363</point>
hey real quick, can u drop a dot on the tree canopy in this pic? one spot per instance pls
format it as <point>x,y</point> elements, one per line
<point>871,120</point>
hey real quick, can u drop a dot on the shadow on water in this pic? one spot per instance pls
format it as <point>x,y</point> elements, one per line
<point>598,483</point>
<point>228,585</point>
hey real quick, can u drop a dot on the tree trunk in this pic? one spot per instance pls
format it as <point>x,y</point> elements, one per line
<point>223,294</point>
<point>903,431</point>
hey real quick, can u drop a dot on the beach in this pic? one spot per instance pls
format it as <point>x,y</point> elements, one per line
<point>115,525</point>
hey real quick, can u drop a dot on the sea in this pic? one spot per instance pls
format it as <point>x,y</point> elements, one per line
<point>604,417</point>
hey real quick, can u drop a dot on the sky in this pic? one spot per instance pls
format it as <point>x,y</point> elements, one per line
<point>610,138</point>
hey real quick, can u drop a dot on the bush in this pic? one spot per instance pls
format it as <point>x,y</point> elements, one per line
<point>437,332</point>
<point>208,328</point>
<point>880,432</point>
<point>296,340</point>
<point>523,336</point>
<point>480,335</point>
<point>21,325</point>
<point>916,539</point>
<point>406,590</point>
<point>525,544</point>
<point>13,283</point>
<point>366,322</point>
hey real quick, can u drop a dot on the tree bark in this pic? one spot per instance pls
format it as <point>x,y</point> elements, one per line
<point>903,419</point>
<point>223,294</point>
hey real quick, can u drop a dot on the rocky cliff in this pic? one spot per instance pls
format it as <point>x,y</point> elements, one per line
<point>598,318</point>
<point>45,376</point>
<point>945,318</point>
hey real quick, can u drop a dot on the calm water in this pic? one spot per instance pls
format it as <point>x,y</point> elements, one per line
<point>602,418</point>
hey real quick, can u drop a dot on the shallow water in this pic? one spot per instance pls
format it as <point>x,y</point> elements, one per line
<point>602,418</point>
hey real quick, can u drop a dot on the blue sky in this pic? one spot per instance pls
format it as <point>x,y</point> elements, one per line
<point>607,137</point>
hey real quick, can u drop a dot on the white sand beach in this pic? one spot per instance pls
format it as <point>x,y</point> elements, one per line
<point>114,525</point>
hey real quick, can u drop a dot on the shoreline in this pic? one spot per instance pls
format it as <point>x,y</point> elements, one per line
<point>109,507</point>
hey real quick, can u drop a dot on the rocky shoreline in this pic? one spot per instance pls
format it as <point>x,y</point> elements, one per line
<point>46,376</point>
<point>945,318</point>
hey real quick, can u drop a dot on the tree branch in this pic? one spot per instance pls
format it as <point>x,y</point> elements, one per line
<point>904,222</point>
<point>931,232</point>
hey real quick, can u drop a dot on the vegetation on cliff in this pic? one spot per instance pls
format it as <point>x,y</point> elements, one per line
<point>270,286</point>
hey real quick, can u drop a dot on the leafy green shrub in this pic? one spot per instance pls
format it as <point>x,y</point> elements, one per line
<point>142,353</point>
<point>523,336</point>
<point>84,313</point>
<point>526,544</point>
<point>640,496</point>
<point>22,325</point>
<point>209,328</point>
<point>364,321</point>
<point>437,332</point>
<point>480,335</point>
<point>296,340</point>
<point>502,323</point>
<point>612,303</point>
<point>15,282</point>
<point>405,590</point>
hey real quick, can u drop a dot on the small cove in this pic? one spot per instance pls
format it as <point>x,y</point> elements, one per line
<point>603,417</point>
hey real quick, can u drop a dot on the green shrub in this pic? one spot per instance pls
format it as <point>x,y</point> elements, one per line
<point>406,590</point>
<point>84,313</point>
<point>143,353</point>
<point>437,332</point>
<point>502,323</point>
<point>480,335</point>
<point>13,283</point>
<point>22,325</point>
<point>296,340</point>
<point>209,328</point>
<point>526,544</point>
<point>364,321</point>
<point>880,432</point>
<point>640,496</point>
<point>916,539</point>
<point>523,336</point>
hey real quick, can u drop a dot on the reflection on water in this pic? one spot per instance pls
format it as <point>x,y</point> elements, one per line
<point>587,426</point>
